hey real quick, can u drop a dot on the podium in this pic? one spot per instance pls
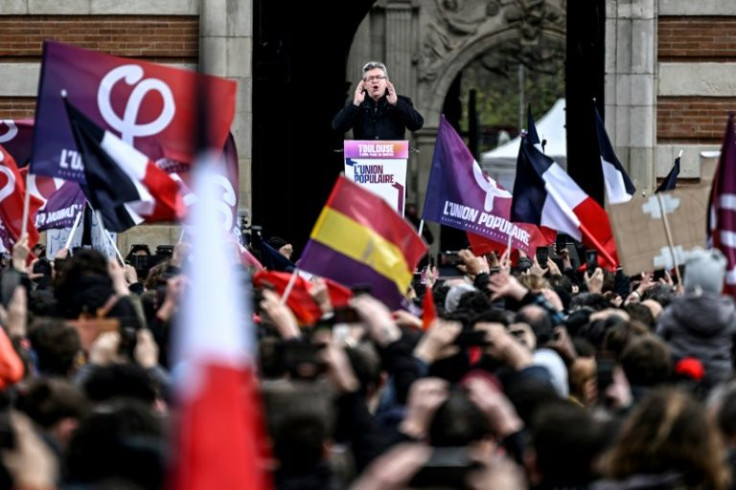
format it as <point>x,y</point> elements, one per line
<point>379,166</point>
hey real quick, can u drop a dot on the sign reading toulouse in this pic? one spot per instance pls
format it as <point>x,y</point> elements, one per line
<point>379,166</point>
<point>461,195</point>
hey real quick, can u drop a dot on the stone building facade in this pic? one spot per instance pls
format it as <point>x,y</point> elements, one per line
<point>669,64</point>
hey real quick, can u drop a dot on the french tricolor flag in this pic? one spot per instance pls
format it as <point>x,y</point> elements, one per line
<point>617,183</point>
<point>220,436</point>
<point>122,183</point>
<point>545,195</point>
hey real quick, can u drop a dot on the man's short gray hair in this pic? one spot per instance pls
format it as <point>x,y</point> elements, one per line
<point>372,65</point>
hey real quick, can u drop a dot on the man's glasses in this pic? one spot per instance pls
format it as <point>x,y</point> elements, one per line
<point>375,77</point>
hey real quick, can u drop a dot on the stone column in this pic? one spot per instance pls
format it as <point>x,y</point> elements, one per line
<point>360,52</point>
<point>399,44</point>
<point>631,86</point>
<point>226,47</point>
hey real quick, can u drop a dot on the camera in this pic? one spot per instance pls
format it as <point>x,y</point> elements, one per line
<point>471,338</point>
<point>451,258</point>
<point>300,359</point>
<point>345,315</point>
<point>542,256</point>
<point>591,260</point>
<point>447,467</point>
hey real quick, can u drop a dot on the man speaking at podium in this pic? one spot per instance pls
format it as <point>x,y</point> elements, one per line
<point>377,112</point>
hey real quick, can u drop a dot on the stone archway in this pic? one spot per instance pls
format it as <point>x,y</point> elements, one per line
<point>446,36</point>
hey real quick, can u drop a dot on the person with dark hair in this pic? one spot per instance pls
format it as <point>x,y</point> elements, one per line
<point>594,301</point>
<point>56,345</point>
<point>300,422</point>
<point>474,302</point>
<point>376,111</point>
<point>141,259</point>
<point>647,363</point>
<point>566,441</point>
<point>85,286</point>
<point>661,293</point>
<point>123,442</point>
<point>55,406</point>
<point>723,406</point>
<point>641,313</point>
<point>619,335</point>
<point>539,321</point>
<point>281,246</point>
<point>457,422</point>
<point>666,442</point>
<point>121,380</point>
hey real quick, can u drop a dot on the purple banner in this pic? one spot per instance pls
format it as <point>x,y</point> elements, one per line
<point>61,208</point>
<point>17,137</point>
<point>150,106</point>
<point>461,195</point>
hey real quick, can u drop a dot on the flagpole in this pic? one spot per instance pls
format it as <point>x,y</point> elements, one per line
<point>98,216</point>
<point>289,286</point>
<point>26,205</point>
<point>74,229</point>
<point>421,228</point>
<point>668,234</point>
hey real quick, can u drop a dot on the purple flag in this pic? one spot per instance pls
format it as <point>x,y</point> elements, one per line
<point>62,207</point>
<point>16,135</point>
<point>722,215</point>
<point>461,195</point>
<point>149,106</point>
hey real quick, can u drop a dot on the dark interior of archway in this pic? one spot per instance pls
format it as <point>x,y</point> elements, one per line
<point>452,238</point>
<point>299,62</point>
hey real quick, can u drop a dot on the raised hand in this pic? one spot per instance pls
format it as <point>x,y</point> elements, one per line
<point>391,97</point>
<point>359,96</point>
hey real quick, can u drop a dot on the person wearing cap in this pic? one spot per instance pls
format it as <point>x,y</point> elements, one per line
<point>376,111</point>
<point>702,322</point>
<point>282,246</point>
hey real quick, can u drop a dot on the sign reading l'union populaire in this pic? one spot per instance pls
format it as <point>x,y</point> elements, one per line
<point>379,166</point>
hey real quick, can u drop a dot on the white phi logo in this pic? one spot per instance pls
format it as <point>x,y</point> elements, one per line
<point>127,126</point>
<point>489,186</point>
<point>10,133</point>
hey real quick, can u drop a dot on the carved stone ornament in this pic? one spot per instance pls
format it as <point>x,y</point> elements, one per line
<point>454,24</point>
<point>533,15</point>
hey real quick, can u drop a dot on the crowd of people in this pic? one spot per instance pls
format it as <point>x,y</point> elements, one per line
<point>501,374</point>
<point>519,375</point>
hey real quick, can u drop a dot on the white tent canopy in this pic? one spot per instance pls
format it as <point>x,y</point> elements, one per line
<point>500,163</point>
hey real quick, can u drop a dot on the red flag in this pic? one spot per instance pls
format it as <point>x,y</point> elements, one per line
<point>300,300</point>
<point>12,195</point>
<point>722,212</point>
<point>539,237</point>
<point>429,310</point>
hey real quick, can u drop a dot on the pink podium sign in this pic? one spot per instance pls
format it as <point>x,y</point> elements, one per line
<point>379,166</point>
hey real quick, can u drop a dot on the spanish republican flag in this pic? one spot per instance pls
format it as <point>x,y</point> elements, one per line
<point>360,240</point>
